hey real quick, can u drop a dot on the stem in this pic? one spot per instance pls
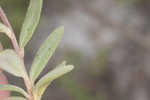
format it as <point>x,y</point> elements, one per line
<point>4,19</point>
<point>19,51</point>
<point>29,87</point>
<point>13,38</point>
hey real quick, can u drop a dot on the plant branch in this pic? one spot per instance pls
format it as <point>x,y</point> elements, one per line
<point>19,51</point>
<point>4,19</point>
<point>13,38</point>
<point>29,87</point>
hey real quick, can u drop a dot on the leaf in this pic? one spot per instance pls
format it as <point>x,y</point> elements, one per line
<point>11,62</point>
<point>45,81</point>
<point>31,21</point>
<point>15,98</point>
<point>5,29</point>
<point>8,87</point>
<point>45,52</point>
<point>41,90</point>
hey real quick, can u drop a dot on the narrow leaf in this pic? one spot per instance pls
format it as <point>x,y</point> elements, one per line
<point>45,81</point>
<point>41,90</point>
<point>11,62</point>
<point>5,29</point>
<point>45,52</point>
<point>31,21</point>
<point>13,88</point>
<point>15,98</point>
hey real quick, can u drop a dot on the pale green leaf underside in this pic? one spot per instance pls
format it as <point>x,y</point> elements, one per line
<point>31,21</point>
<point>15,98</point>
<point>41,90</point>
<point>60,70</point>
<point>13,88</point>
<point>11,62</point>
<point>45,52</point>
<point>5,29</point>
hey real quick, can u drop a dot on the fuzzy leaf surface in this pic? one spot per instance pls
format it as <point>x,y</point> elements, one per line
<point>5,29</point>
<point>7,87</point>
<point>11,63</point>
<point>46,80</point>
<point>15,98</point>
<point>45,52</point>
<point>31,21</point>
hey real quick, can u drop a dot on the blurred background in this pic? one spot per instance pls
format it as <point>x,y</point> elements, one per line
<point>108,42</point>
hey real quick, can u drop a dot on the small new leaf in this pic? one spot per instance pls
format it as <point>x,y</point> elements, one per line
<point>13,88</point>
<point>45,81</point>
<point>45,52</point>
<point>11,62</point>
<point>5,29</point>
<point>15,98</point>
<point>31,21</point>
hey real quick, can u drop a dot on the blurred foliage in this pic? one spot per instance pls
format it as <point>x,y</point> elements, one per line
<point>128,2</point>
<point>92,75</point>
<point>96,66</point>
<point>100,63</point>
<point>74,89</point>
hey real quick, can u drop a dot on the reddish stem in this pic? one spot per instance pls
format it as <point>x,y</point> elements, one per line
<point>4,19</point>
<point>13,38</point>
<point>19,51</point>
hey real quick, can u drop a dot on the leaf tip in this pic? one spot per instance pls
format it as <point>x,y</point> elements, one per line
<point>70,67</point>
<point>61,29</point>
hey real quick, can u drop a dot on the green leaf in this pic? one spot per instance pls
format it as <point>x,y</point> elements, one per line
<point>15,98</point>
<point>11,62</point>
<point>46,80</point>
<point>5,29</point>
<point>41,90</point>
<point>45,52</point>
<point>31,21</point>
<point>8,87</point>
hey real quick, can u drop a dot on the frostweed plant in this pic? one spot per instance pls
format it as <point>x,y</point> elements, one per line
<point>12,60</point>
